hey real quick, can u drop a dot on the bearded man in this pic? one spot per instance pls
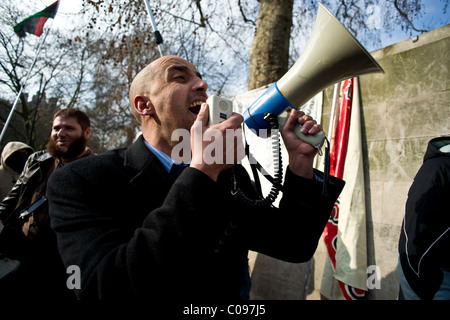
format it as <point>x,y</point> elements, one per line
<point>25,233</point>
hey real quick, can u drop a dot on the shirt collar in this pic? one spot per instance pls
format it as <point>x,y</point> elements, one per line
<point>165,160</point>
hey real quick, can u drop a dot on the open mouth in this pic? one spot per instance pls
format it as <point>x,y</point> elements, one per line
<point>195,107</point>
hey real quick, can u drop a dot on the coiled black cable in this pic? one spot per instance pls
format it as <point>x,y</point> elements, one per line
<point>278,169</point>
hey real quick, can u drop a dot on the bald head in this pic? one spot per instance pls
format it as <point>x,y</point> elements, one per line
<point>142,82</point>
<point>141,85</point>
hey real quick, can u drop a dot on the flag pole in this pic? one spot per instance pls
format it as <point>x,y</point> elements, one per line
<point>333,110</point>
<point>27,76</point>
<point>23,86</point>
<point>158,36</point>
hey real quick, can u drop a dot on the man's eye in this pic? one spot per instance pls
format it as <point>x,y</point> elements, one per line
<point>180,77</point>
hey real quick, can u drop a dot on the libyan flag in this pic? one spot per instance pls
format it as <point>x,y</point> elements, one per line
<point>35,24</point>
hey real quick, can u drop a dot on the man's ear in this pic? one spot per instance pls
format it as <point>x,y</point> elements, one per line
<point>143,106</point>
<point>87,133</point>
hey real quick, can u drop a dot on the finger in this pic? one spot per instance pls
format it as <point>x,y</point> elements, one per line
<point>233,122</point>
<point>203,114</point>
<point>307,125</point>
<point>304,118</point>
<point>292,120</point>
<point>237,119</point>
<point>311,127</point>
<point>315,129</point>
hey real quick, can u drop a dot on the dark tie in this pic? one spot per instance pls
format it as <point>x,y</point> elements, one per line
<point>177,169</point>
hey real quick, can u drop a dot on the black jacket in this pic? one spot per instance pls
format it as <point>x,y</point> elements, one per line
<point>41,274</point>
<point>425,237</point>
<point>134,233</point>
<point>20,196</point>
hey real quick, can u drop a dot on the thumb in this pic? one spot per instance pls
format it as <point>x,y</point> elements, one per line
<point>203,114</point>
<point>292,120</point>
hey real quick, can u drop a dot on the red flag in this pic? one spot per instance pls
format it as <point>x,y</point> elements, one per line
<point>339,150</point>
<point>35,24</point>
<point>338,154</point>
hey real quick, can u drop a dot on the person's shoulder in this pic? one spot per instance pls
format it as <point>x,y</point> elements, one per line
<point>102,160</point>
<point>97,169</point>
<point>41,155</point>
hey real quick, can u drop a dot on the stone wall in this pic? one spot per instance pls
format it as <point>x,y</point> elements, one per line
<point>401,111</point>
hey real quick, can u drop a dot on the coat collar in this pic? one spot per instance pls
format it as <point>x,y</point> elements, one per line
<point>138,156</point>
<point>145,165</point>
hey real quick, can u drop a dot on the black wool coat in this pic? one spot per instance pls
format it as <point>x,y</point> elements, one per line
<point>134,233</point>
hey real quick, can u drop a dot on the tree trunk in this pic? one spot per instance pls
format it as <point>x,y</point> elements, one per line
<point>269,53</point>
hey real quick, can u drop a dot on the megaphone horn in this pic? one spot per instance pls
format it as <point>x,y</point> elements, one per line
<point>331,55</point>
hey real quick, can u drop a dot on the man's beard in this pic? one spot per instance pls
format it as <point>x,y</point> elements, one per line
<point>74,149</point>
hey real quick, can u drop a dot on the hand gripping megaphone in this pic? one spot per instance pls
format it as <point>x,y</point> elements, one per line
<point>331,55</point>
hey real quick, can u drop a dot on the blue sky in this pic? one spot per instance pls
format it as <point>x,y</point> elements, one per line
<point>432,18</point>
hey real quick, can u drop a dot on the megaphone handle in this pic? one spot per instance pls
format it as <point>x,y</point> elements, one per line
<point>316,140</point>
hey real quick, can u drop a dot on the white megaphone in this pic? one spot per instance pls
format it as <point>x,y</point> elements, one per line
<point>331,55</point>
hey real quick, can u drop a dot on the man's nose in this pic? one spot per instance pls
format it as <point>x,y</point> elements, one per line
<point>200,85</point>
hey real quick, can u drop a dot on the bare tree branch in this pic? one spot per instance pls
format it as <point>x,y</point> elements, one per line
<point>405,17</point>
<point>202,17</point>
<point>243,14</point>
